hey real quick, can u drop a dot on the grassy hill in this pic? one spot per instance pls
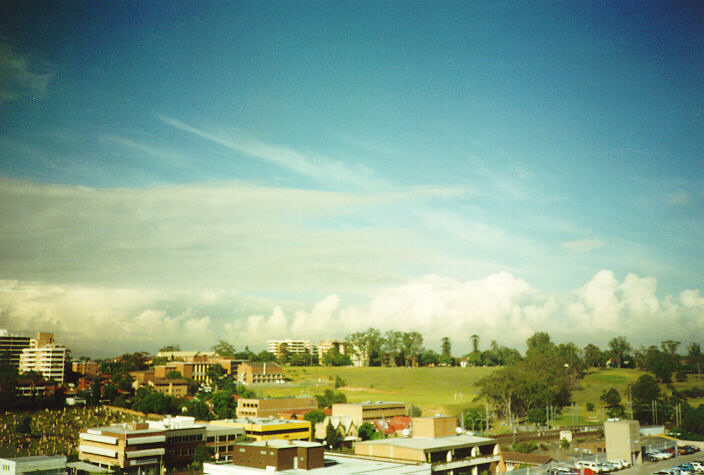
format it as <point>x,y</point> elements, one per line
<point>444,390</point>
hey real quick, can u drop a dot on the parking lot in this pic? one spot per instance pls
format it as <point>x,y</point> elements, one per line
<point>650,467</point>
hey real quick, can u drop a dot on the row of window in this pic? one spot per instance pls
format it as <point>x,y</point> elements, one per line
<point>184,438</point>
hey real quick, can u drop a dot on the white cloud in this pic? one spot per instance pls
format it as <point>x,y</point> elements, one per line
<point>498,307</point>
<point>583,245</point>
<point>322,169</point>
<point>21,76</point>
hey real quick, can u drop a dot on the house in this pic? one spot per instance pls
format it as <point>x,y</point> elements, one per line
<point>515,460</point>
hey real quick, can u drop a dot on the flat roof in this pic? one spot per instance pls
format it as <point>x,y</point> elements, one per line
<point>87,467</point>
<point>260,421</point>
<point>370,403</point>
<point>430,443</point>
<point>334,465</point>
<point>37,458</point>
<point>279,443</point>
<point>118,429</point>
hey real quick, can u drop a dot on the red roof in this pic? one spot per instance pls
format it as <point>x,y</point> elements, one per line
<point>392,424</point>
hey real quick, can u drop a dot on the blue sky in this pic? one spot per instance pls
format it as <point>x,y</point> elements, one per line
<point>239,165</point>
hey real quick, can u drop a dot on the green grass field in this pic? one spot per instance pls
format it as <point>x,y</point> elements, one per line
<point>444,390</point>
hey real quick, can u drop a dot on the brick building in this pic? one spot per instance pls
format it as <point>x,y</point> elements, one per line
<point>256,372</point>
<point>274,406</point>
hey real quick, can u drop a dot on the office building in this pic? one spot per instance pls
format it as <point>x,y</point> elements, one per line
<point>259,428</point>
<point>11,347</point>
<point>130,447</point>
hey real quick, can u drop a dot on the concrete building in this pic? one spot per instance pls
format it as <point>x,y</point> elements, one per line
<point>182,437</point>
<point>221,440</point>
<point>623,440</point>
<point>269,428</point>
<point>45,357</point>
<point>446,453</point>
<point>11,347</point>
<point>369,411</point>
<point>130,447</point>
<point>274,406</point>
<point>256,372</point>
<point>294,347</point>
<point>170,387</point>
<point>38,465</point>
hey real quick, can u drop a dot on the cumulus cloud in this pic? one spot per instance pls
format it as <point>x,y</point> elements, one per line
<point>500,307</point>
<point>21,75</point>
<point>583,245</point>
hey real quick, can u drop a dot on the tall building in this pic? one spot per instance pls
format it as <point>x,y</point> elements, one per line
<point>45,357</point>
<point>11,347</point>
<point>294,347</point>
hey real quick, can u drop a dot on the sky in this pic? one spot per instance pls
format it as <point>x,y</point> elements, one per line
<point>186,172</point>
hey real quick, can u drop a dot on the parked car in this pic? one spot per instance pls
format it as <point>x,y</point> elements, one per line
<point>687,449</point>
<point>590,465</point>
<point>698,466</point>
<point>617,464</point>
<point>686,468</point>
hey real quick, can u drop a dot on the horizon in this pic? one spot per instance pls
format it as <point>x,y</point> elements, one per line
<point>191,173</point>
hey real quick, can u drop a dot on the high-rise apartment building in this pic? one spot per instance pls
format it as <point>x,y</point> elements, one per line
<point>294,347</point>
<point>44,356</point>
<point>11,347</point>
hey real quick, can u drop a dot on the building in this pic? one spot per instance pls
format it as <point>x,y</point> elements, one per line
<point>221,440</point>
<point>294,347</point>
<point>11,347</point>
<point>86,368</point>
<point>45,357</point>
<point>279,454</point>
<point>171,387</point>
<point>345,427</point>
<point>445,453</point>
<point>623,440</point>
<point>30,387</point>
<point>256,372</point>
<point>37,465</point>
<point>514,460</point>
<point>327,345</point>
<point>129,447</point>
<point>197,369</point>
<point>336,464</point>
<point>274,406</point>
<point>369,411</point>
<point>182,437</point>
<point>270,428</point>
<point>188,356</point>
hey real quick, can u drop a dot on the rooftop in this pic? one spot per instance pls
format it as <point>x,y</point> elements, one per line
<point>259,421</point>
<point>279,443</point>
<point>36,458</point>
<point>430,443</point>
<point>334,465</point>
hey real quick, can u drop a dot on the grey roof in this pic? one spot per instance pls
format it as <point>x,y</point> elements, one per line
<point>431,443</point>
<point>87,467</point>
<point>37,458</point>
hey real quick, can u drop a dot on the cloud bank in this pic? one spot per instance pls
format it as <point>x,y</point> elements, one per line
<point>501,307</point>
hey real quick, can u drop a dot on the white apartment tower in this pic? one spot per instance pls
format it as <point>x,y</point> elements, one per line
<point>294,347</point>
<point>45,357</point>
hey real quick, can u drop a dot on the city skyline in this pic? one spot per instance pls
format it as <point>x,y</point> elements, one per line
<point>190,173</point>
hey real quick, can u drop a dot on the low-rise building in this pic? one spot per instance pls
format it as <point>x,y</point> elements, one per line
<point>369,411</point>
<point>221,440</point>
<point>254,407</point>
<point>171,387</point>
<point>182,436</point>
<point>257,372</point>
<point>445,453</point>
<point>279,455</point>
<point>270,428</point>
<point>37,465</point>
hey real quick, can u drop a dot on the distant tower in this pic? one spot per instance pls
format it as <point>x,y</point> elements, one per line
<point>475,343</point>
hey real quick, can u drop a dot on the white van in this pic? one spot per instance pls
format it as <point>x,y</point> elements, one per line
<point>593,466</point>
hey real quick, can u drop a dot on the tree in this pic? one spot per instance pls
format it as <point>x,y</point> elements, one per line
<point>429,358</point>
<point>333,357</point>
<point>537,416</point>
<point>201,454</point>
<point>644,391</point>
<point>215,374</point>
<point>333,439</point>
<point>265,356</point>
<point>315,416</point>
<point>593,356</point>
<point>330,397</point>
<point>223,348</point>
<point>392,346</point>
<point>619,349</point>
<point>475,343</point>
<point>224,405</point>
<point>539,340</point>
<point>366,431</point>
<point>170,348</point>
<point>367,346</point>
<point>412,343</point>
<point>196,408</point>
<point>446,347</point>
<point>173,374</point>
<point>284,354</point>
<point>473,418</point>
<point>612,402</point>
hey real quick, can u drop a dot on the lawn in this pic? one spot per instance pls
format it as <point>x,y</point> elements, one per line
<point>446,390</point>
<point>434,390</point>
